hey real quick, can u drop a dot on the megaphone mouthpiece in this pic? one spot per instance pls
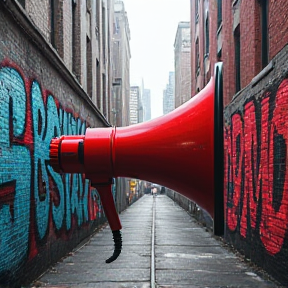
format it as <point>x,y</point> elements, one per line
<point>54,152</point>
<point>67,153</point>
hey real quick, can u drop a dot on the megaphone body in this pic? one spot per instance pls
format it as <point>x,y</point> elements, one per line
<point>178,150</point>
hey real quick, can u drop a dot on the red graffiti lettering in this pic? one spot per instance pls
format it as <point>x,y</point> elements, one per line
<point>274,223</point>
<point>251,194</point>
<point>236,171</point>
<point>256,177</point>
<point>227,166</point>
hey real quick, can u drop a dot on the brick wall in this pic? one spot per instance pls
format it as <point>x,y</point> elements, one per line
<point>228,53</point>
<point>250,38</point>
<point>255,136</point>
<point>213,40</point>
<point>39,11</point>
<point>247,14</point>
<point>256,175</point>
<point>278,28</point>
<point>43,215</point>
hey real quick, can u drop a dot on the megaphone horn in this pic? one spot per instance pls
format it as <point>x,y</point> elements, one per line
<point>182,150</point>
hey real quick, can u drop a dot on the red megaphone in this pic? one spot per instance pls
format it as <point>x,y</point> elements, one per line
<point>182,150</point>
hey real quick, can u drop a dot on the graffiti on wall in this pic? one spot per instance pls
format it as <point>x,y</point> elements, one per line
<point>256,174</point>
<point>35,201</point>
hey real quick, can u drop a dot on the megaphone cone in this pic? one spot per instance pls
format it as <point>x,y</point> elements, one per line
<point>175,150</point>
<point>182,150</point>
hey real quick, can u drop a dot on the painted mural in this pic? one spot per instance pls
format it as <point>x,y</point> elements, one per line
<point>37,205</point>
<point>256,177</point>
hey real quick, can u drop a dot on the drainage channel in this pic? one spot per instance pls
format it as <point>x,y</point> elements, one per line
<point>152,274</point>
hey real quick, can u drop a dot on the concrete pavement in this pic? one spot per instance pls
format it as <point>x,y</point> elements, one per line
<point>163,246</point>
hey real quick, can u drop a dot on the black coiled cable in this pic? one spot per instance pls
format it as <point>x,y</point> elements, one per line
<point>118,246</point>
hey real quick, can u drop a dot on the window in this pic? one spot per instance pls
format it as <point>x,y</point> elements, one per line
<point>104,95</point>
<point>89,66</point>
<point>52,22</point>
<point>207,35</point>
<point>219,13</point>
<point>88,5</point>
<point>74,49</point>
<point>22,3</point>
<point>196,11</point>
<point>98,84</point>
<point>197,59</point>
<point>264,32</point>
<point>56,26</point>
<point>237,58</point>
<point>104,34</point>
<point>76,57</point>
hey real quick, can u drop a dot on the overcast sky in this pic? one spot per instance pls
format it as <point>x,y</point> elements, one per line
<point>153,25</point>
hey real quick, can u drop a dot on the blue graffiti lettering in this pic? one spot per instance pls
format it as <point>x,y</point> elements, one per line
<point>15,167</point>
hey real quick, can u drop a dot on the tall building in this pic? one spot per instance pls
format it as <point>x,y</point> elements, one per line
<point>121,67</point>
<point>182,48</point>
<point>168,95</point>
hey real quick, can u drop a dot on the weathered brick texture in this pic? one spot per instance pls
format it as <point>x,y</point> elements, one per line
<point>278,28</point>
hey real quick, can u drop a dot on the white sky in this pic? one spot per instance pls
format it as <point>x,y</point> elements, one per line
<point>153,25</point>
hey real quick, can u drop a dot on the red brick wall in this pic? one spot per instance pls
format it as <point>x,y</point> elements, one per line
<point>192,56</point>
<point>278,28</point>
<point>250,41</point>
<point>228,53</point>
<point>250,38</point>
<point>213,33</point>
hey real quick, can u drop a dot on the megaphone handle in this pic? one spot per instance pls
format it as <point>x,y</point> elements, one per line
<point>108,204</point>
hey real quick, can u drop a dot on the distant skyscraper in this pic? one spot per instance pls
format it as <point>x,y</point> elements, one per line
<point>146,99</point>
<point>135,104</point>
<point>168,95</point>
<point>146,102</point>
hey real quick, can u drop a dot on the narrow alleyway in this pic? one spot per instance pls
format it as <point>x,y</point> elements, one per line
<point>163,246</point>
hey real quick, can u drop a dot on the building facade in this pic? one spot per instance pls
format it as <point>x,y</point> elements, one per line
<point>250,38</point>
<point>121,67</point>
<point>216,35</point>
<point>80,33</point>
<point>56,65</point>
<point>182,60</point>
